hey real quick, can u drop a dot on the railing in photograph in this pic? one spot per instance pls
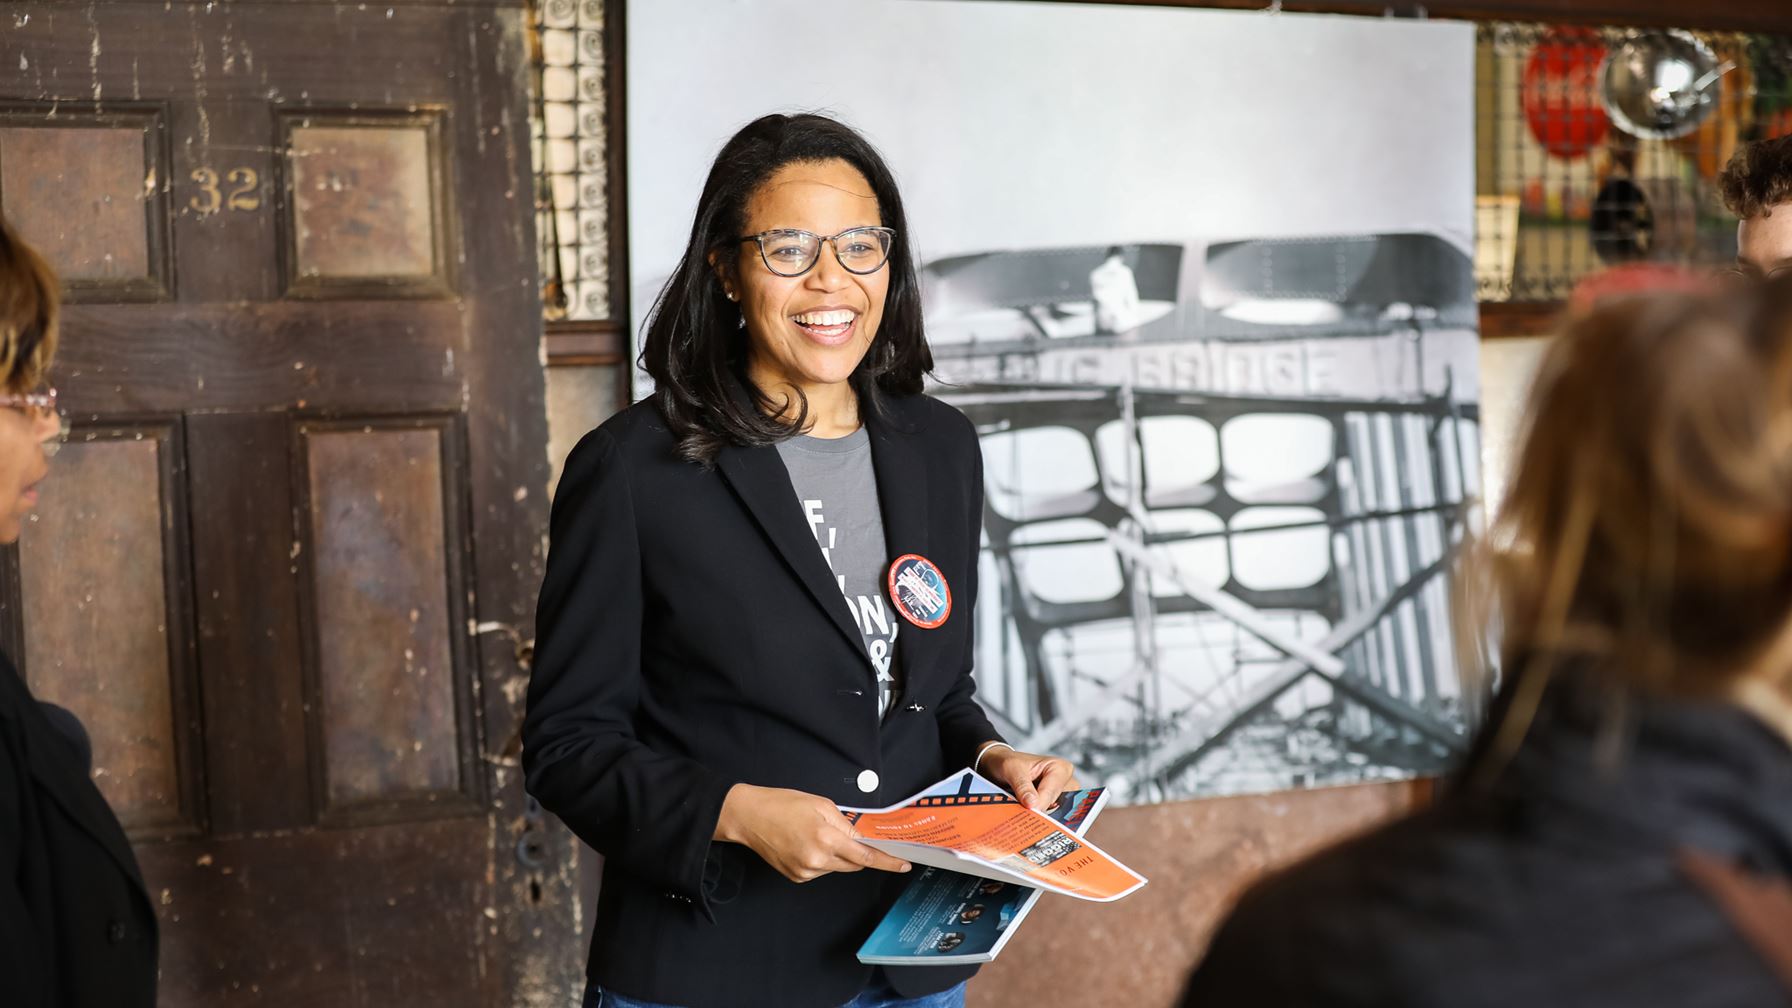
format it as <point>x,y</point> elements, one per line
<point>1165,570</point>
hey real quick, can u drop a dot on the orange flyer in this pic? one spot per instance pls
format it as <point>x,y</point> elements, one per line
<point>967,824</point>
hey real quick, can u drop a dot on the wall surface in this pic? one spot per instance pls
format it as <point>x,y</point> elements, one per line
<point>1507,367</point>
<point>1198,855</point>
<point>579,398</point>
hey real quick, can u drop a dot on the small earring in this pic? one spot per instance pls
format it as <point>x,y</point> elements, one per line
<point>733,296</point>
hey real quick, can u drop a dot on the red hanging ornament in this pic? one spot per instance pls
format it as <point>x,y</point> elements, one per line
<point>1560,92</point>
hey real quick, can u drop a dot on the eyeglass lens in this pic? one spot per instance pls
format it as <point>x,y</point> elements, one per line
<point>53,445</point>
<point>789,253</point>
<point>40,407</point>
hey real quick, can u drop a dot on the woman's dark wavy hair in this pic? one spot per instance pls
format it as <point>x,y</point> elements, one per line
<point>695,348</point>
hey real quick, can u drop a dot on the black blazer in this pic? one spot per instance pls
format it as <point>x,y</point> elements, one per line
<point>690,637</point>
<point>77,929</point>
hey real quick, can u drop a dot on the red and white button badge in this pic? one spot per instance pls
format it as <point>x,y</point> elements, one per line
<point>919,591</point>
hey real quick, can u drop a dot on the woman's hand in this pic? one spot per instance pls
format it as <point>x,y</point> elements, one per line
<point>802,836</point>
<point>1036,780</point>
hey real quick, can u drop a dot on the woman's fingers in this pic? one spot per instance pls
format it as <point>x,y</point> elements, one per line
<point>1035,780</point>
<point>1059,777</point>
<point>850,856</point>
<point>1025,791</point>
<point>802,836</point>
<point>861,855</point>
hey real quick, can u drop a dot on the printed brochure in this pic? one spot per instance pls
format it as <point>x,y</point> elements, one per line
<point>967,824</point>
<point>946,917</point>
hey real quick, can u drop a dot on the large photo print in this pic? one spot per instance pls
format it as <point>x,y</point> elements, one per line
<point>1202,281</point>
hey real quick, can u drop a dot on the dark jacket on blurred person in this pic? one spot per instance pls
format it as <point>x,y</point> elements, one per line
<point>76,927</point>
<point>1571,878</point>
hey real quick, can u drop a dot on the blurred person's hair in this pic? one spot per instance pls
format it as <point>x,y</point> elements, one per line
<point>1758,177</point>
<point>1646,535</point>
<point>29,306</point>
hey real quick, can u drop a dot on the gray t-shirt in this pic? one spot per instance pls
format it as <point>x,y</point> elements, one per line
<point>837,489</point>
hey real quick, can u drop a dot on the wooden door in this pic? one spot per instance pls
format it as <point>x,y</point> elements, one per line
<point>282,567</point>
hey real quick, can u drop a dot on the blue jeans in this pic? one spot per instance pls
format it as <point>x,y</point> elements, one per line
<point>877,994</point>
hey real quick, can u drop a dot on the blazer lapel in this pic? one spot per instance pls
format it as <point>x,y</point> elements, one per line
<point>61,779</point>
<point>901,483</point>
<point>763,484</point>
<point>902,495</point>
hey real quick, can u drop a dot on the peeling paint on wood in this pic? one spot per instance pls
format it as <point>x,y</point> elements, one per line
<point>274,896</point>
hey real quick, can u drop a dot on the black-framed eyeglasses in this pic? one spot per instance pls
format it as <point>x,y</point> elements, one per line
<point>40,406</point>
<point>791,252</point>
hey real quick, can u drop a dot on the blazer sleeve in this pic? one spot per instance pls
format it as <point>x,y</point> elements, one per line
<point>964,727</point>
<point>651,814</point>
<point>73,732</point>
<point>25,962</point>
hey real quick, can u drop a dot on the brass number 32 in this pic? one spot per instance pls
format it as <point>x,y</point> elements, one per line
<point>242,196</point>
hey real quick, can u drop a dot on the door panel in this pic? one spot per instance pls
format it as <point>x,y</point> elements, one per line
<point>286,919</point>
<point>99,576</point>
<point>238,356</point>
<point>257,770</point>
<point>365,205</point>
<point>101,220</point>
<point>384,535</point>
<point>273,600</point>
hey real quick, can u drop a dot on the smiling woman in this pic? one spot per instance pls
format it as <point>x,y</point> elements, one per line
<point>779,188</point>
<point>724,657</point>
<point>810,318</point>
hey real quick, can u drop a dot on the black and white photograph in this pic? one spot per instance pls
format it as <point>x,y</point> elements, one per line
<point>1221,355</point>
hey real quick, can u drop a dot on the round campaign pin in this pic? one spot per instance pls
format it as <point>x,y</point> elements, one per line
<point>919,591</point>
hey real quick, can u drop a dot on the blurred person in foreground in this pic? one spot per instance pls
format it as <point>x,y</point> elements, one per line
<point>76,928</point>
<point>1622,831</point>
